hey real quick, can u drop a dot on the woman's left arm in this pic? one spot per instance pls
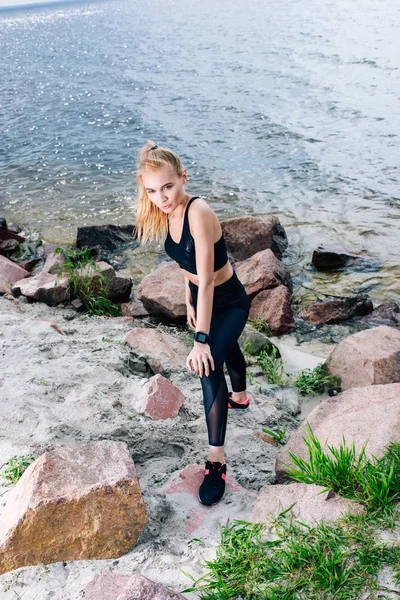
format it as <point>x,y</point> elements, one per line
<point>202,227</point>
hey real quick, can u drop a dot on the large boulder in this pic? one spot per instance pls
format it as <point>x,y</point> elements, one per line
<point>161,352</point>
<point>329,257</point>
<point>162,292</point>
<point>10,272</point>
<point>245,236</point>
<point>73,503</point>
<point>44,287</point>
<point>367,357</point>
<point>274,307</point>
<point>7,234</point>
<point>360,414</point>
<point>160,399</point>
<point>113,586</point>
<point>134,308</point>
<point>334,310</point>
<point>387,313</point>
<point>262,271</point>
<point>310,504</point>
<point>108,237</point>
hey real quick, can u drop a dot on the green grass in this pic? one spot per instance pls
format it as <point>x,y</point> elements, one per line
<point>12,470</point>
<point>279,435</point>
<point>260,325</point>
<point>335,560</point>
<point>272,367</point>
<point>314,381</point>
<point>90,288</point>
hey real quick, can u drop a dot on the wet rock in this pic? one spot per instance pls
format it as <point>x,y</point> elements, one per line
<point>368,357</point>
<point>370,413</point>
<point>8,247</point>
<point>309,504</point>
<point>134,308</point>
<point>163,353</point>
<point>329,257</point>
<point>6,234</point>
<point>253,341</point>
<point>112,586</point>
<point>73,503</point>
<point>262,271</point>
<point>107,237</point>
<point>162,292</point>
<point>333,310</point>
<point>161,399</point>
<point>245,236</point>
<point>387,313</point>
<point>44,287</point>
<point>274,307</point>
<point>10,272</point>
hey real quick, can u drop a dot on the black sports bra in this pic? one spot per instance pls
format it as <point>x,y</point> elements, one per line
<point>184,252</point>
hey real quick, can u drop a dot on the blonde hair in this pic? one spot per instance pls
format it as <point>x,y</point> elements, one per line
<point>151,222</point>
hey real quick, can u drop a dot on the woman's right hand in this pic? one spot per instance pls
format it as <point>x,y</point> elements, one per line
<point>191,316</point>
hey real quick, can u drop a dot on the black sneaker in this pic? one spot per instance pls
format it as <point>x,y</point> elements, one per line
<point>238,405</point>
<point>213,487</point>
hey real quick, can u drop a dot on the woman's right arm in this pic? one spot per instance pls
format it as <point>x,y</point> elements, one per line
<point>191,315</point>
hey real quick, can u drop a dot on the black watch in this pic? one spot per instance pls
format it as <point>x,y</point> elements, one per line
<point>201,337</point>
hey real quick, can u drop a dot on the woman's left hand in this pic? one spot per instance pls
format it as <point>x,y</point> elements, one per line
<point>200,359</point>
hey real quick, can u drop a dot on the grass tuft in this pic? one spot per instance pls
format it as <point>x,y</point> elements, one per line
<point>12,470</point>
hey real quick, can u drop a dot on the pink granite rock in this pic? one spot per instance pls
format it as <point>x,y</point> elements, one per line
<point>161,398</point>
<point>368,357</point>
<point>53,262</point>
<point>163,352</point>
<point>112,586</point>
<point>369,413</point>
<point>274,307</point>
<point>73,503</point>
<point>163,292</point>
<point>310,506</point>
<point>10,272</point>
<point>134,308</point>
<point>245,236</point>
<point>44,287</point>
<point>261,272</point>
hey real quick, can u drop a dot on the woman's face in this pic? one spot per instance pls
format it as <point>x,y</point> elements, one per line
<point>165,188</point>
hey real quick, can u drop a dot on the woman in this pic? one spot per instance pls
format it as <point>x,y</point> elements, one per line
<point>216,301</point>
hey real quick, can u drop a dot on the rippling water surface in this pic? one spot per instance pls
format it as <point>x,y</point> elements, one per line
<point>288,106</point>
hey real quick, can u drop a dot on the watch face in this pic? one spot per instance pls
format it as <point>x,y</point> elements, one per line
<point>201,337</point>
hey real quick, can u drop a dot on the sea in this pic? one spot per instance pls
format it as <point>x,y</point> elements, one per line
<point>290,107</point>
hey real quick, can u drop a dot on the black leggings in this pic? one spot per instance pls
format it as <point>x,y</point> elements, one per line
<point>229,315</point>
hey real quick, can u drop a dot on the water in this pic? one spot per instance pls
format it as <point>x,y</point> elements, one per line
<point>289,106</point>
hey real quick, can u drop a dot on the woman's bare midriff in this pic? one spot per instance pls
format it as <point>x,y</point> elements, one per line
<point>220,276</point>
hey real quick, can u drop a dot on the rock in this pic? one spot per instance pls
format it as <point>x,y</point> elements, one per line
<point>161,399</point>
<point>261,272</point>
<point>310,505</point>
<point>162,352</point>
<point>274,307</point>
<point>44,287</point>
<point>73,503</point>
<point>119,286</point>
<point>190,479</point>
<point>387,313</point>
<point>268,439</point>
<point>163,292</point>
<point>3,223</point>
<point>333,310</point>
<point>53,263</point>
<point>245,236</point>
<point>8,247</point>
<point>112,586</point>
<point>10,272</point>
<point>6,234</point>
<point>286,397</point>
<point>30,264</point>
<point>368,357</point>
<point>252,341</point>
<point>370,413</point>
<point>108,237</point>
<point>46,249</point>
<point>134,308</point>
<point>5,287</point>
<point>327,257</point>
<point>77,304</point>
